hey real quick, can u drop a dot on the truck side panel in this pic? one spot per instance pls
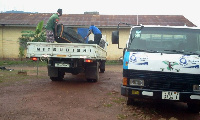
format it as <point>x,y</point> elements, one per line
<point>65,50</point>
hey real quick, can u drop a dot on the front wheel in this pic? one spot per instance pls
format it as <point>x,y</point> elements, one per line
<point>194,108</point>
<point>130,101</point>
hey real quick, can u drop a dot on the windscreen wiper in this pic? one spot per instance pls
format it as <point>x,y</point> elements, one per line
<point>191,53</point>
<point>143,50</point>
<point>176,51</point>
<point>184,52</point>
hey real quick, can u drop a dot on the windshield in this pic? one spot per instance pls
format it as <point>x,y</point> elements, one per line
<point>165,40</point>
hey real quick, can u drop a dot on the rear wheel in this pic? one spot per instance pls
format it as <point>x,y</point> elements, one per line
<point>75,73</point>
<point>55,73</point>
<point>55,78</point>
<point>59,78</point>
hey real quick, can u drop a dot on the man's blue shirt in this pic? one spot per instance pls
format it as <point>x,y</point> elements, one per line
<point>94,30</point>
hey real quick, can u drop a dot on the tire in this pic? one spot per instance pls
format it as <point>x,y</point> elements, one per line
<point>67,35</point>
<point>130,101</point>
<point>75,73</point>
<point>59,78</point>
<point>91,80</point>
<point>55,74</point>
<point>194,108</point>
<point>55,79</point>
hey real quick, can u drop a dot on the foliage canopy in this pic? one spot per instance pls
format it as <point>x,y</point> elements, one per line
<point>31,36</point>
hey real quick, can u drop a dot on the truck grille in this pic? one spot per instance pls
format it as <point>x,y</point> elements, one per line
<point>164,81</point>
<point>156,85</point>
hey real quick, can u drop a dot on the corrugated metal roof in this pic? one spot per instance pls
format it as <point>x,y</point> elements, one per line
<point>98,20</point>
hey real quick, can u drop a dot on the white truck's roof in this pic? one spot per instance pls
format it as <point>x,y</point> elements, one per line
<point>167,26</point>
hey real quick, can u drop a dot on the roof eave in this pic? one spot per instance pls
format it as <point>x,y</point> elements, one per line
<point>18,25</point>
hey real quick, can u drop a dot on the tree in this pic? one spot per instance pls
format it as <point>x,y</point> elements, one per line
<point>31,36</point>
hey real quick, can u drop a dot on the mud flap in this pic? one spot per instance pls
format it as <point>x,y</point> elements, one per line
<point>52,71</point>
<point>102,66</point>
<point>92,72</point>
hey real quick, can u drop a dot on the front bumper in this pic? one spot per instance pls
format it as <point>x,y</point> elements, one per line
<point>189,97</point>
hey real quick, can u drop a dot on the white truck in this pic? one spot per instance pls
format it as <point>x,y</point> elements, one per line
<point>72,58</point>
<point>162,63</point>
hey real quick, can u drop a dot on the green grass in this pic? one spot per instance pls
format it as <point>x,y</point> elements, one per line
<point>113,62</point>
<point>108,105</point>
<point>20,63</point>
<point>119,100</point>
<point>11,77</point>
<point>121,116</point>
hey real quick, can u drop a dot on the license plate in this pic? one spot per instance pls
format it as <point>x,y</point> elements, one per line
<point>135,92</point>
<point>169,95</point>
<point>61,65</point>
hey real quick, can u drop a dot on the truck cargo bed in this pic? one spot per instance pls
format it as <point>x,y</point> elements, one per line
<point>65,50</point>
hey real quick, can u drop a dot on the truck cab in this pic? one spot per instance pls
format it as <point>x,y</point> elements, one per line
<point>162,63</point>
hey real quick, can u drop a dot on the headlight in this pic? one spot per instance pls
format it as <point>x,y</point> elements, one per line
<point>136,82</point>
<point>196,88</point>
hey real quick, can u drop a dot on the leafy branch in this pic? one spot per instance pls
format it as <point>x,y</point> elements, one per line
<point>31,36</point>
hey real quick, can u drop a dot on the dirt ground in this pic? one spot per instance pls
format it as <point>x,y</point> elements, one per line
<point>38,98</point>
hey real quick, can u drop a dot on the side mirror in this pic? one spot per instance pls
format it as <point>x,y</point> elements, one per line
<point>115,37</point>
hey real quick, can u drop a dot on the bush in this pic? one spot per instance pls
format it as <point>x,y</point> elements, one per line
<point>31,36</point>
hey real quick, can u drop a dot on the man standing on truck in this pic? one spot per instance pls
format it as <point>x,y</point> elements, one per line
<point>97,34</point>
<point>51,27</point>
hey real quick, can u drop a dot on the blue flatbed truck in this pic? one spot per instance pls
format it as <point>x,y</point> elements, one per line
<point>161,63</point>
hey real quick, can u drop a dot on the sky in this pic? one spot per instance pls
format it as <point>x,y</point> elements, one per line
<point>188,8</point>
